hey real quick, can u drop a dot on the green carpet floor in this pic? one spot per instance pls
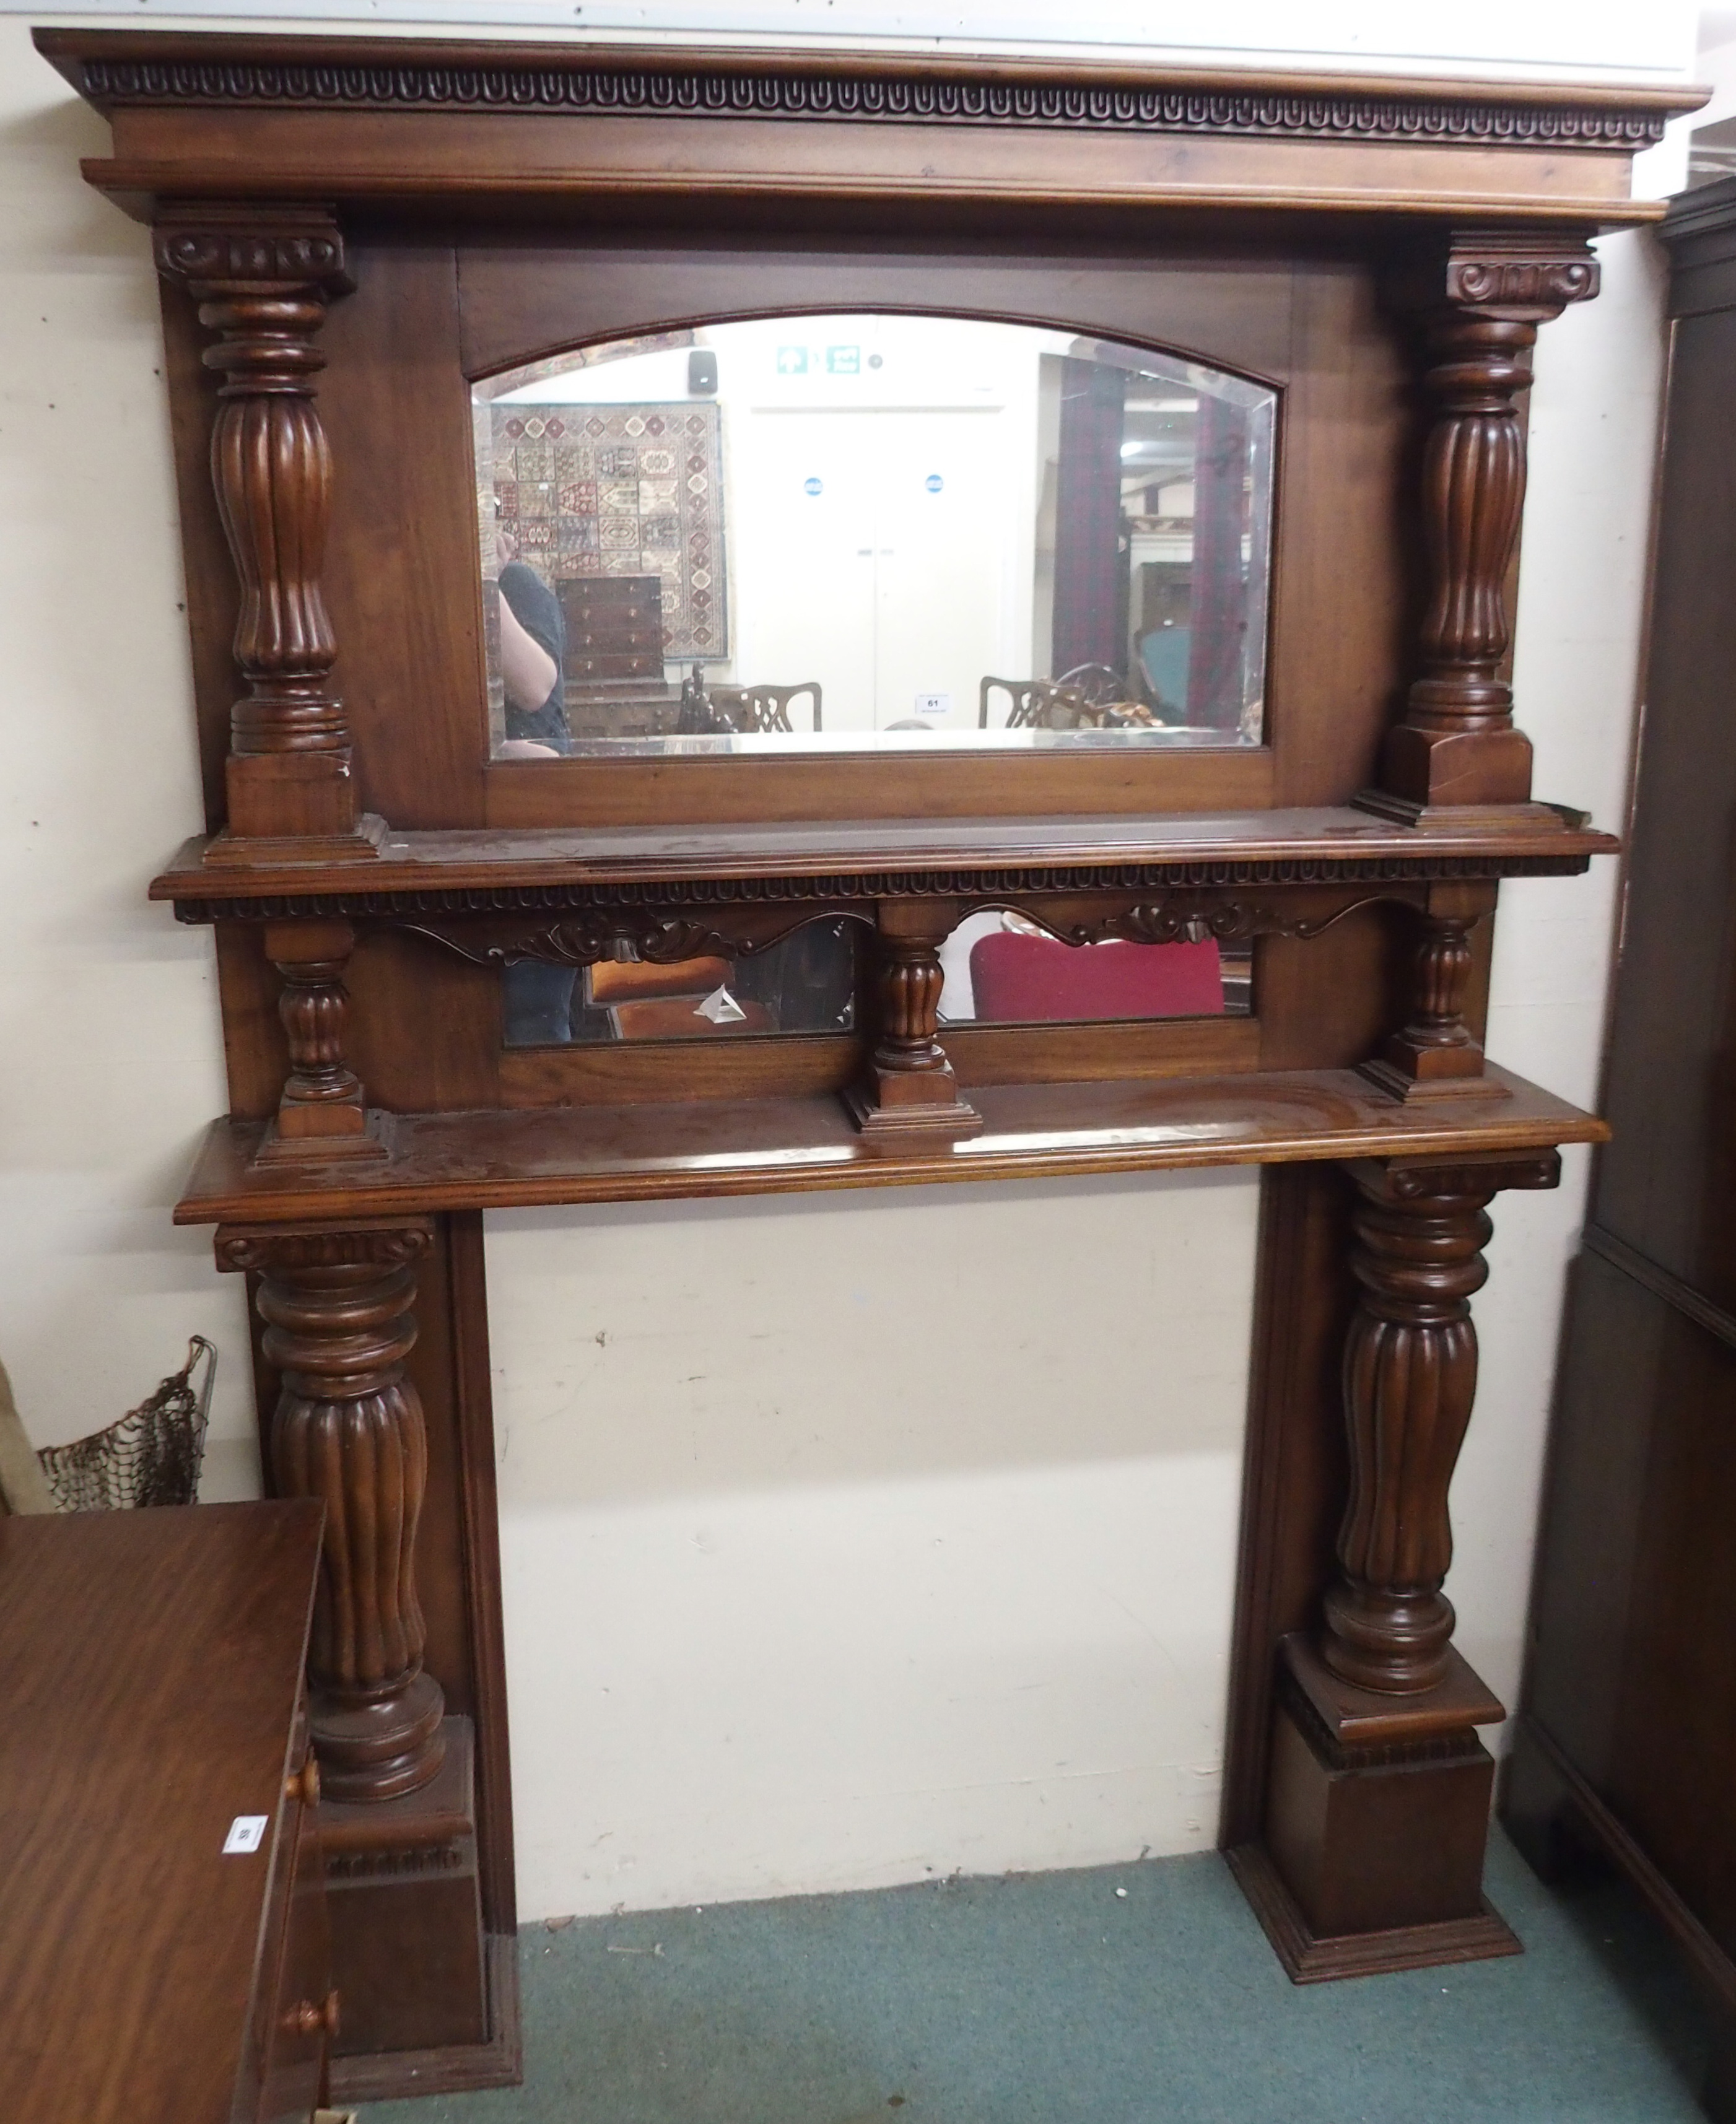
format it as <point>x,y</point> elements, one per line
<point>1128,1994</point>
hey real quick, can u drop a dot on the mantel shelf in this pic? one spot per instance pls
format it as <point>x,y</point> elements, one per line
<point>869,858</point>
<point>518,1159</point>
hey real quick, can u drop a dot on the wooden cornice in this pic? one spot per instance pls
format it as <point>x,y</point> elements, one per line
<point>124,70</point>
<point>360,118</point>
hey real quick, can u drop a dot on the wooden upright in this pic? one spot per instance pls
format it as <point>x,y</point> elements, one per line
<point>401,218</point>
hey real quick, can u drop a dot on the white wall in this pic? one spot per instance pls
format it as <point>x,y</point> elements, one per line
<point>878,1534</point>
<point>108,1019</point>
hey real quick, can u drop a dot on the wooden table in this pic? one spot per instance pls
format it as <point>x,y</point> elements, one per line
<point>152,1701</point>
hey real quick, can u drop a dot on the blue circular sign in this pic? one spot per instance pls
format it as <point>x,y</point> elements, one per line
<point>812,486</point>
<point>934,482</point>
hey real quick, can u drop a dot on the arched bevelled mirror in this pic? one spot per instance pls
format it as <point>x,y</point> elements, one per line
<point>844,533</point>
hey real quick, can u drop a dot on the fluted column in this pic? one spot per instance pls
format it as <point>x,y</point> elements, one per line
<point>321,1114</point>
<point>1434,1053</point>
<point>348,1430</point>
<point>1410,1376</point>
<point>1456,747</point>
<point>908,1085</point>
<point>262,279</point>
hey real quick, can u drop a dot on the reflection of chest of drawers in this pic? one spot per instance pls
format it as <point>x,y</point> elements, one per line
<point>615,628</point>
<point>151,1676</point>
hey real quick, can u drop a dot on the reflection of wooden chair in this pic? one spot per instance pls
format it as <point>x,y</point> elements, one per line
<point>612,981</point>
<point>1037,704</point>
<point>759,708</point>
<point>647,1001</point>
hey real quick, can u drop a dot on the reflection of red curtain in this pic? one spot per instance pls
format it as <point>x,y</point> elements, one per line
<point>1088,612</point>
<point>1216,616</point>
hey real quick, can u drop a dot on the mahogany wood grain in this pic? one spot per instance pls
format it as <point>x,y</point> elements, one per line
<point>907,1082</point>
<point>1456,746</point>
<point>261,281</point>
<point>1429,145</point>
<point>322,1112</point>
<point>500,203</point>
<point>1328,840</point>
<point>348,1430</point>
<point>151,1668</point>
<point>1296,1467</point>
<point>499,1160</point>
<point>474,1429</point>
<point>1434,1053</point>
<point>403,571</point>
<point>1410,1375</point>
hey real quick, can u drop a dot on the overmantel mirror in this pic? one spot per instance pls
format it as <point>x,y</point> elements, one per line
<point>775,621</point>
<point>835,532</point>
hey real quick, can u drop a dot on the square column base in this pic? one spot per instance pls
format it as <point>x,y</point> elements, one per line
<point>1376,1823</point>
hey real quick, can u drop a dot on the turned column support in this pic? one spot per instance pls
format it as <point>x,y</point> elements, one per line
<point>262,277</point>
<point>348,1430</point>
<point>908,1087</point>
<point>1410,1374</point>
<point>322,1113</point>
<point>1455,750</point>
<point>1434,1053</point>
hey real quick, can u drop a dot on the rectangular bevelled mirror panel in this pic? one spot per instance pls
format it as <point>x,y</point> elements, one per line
<point>848,533</point>
<point>999,969</point>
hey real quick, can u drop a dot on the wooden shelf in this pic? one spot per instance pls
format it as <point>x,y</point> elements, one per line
<point>568,1155</point>
<point>1326,845</point>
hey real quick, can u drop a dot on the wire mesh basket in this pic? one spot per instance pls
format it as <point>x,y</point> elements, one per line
<point>152,1456</point>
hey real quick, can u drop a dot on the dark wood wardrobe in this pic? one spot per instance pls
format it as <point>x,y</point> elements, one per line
<point>1627,1744</point>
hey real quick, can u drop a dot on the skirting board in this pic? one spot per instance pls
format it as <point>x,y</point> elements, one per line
<point>1311,1960</point>
<point>390,2075</point>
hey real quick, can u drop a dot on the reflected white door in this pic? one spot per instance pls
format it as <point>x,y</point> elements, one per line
<point>866,555</point>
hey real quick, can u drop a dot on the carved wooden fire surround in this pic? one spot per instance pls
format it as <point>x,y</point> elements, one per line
<point>405,216</point>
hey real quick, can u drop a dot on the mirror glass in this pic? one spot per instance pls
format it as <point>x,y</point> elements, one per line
<point>848,533</point>
<point>1000,969</point>
<point>805,983</point>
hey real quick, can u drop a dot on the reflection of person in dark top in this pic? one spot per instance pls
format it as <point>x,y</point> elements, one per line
<point>533,654</point>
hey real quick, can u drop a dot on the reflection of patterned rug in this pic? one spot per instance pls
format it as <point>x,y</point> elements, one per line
<point>619,491</point>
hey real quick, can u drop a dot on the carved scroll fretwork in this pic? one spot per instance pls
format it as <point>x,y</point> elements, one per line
<point>1199,919</point>
<point>582,939</point>
<point>1482,303</point>
<point>1410,1375</point>
<point>348,1430</point>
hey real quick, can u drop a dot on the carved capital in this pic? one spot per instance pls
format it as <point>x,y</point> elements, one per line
<point>1522,276</point>
<point>1518,278</point>
<point>1532,1169</point>
<point>215,249</point>
<point>289,1249</point>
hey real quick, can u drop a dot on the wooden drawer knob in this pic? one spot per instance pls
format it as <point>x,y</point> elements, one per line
<point>303,1784</point>
<point>306,2019</point>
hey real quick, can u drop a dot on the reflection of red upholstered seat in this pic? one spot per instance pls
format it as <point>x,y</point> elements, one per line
<point>1020,979</point>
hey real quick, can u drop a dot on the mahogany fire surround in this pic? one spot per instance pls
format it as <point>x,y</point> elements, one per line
<point>390,220</point>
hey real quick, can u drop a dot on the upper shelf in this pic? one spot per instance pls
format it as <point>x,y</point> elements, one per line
<point>442,123</point>
<point>883,858</point>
